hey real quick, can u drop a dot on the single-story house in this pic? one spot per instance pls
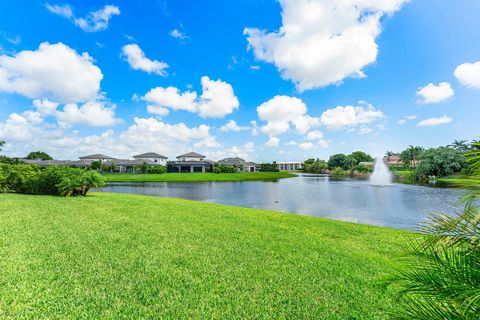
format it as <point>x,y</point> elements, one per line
<point>96,157</point>
<point>241,164</point>
<point>290,165</point>
<point>153,157</point>
<point>190,162</point>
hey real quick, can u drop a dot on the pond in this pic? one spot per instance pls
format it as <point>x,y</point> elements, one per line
<point>398,205</point>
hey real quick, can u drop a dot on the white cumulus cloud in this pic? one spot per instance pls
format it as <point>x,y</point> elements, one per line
<point>323,42</point>
<point>232,126</point>
<point>431,122</point>
<point>92,113</point>
<point>138,61</point>
<point>53,71</point>
<point>432,93</point>
<point>469,74</point>
<point>306,145</point>
<point>350,116</point>
<point>95,20</point>
<point>272,142</point>
<point>281,112</point>
<point>216,101</point>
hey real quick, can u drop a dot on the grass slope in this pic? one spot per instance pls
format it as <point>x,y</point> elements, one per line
<point>470,182</point>
<point>114,256</point>
<point>195,177</point>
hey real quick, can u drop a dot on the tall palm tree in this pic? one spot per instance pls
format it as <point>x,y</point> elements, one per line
<point>473,158</point>
<point>460,145</point>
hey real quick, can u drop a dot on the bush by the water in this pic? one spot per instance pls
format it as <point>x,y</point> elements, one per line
<point>53,180</point>
<point>440,162</point>
<point>157,169</point>
<point>223,168</point>
<point>315,166</point>
<point>269,167</point>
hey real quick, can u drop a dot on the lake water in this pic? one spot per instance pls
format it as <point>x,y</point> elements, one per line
<point>398,205</point>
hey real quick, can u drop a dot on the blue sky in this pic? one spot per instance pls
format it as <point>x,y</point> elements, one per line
<point>299,80</point>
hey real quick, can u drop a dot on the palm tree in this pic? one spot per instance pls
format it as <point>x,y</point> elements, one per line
<point>2,143</point>
<point>388,154</point>
<point>412,154</point>
<point>473,158</point>
<point>442,275</point>
<point>460,145</point>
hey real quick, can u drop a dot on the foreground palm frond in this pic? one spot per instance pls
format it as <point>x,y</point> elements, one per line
<point>440,278</point>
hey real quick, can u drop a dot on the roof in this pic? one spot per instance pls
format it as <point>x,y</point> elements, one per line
<point>188,163</point>
<point>96,156</point>
<point>192,155</point>
<point>150,155</point>
<point>236,161</point>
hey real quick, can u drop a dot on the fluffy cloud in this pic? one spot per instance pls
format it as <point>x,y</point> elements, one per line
<point>94,21</point>
<point>431,122</point>
<point>365,130</point>
<point>272,142</point>
<point>282,111</point>
<point>407,118</point>
<point>435,93</point>
<point>306,145</point>
<point>314,135</point>
<point>232,126</point>
<point>349,116</point>
<point>216,101</point>
<point>54,71</point>
<point>28,131</point>
<point>93,113</point>
<point>469,74</point>
<point>137,60</point>
<point>322,42</point>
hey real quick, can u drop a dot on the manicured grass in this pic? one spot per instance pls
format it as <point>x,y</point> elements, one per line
<point>196,177</point>
<point>118,256</point>
<point>462,181</point>
<point>403,173</point>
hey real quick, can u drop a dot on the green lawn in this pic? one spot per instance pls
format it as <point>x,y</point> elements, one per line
<point>195,177</point>
<point>462,181</point>
<point>117,256</point>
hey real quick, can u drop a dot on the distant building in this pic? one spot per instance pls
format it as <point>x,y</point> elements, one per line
<point>240,163</point>
<point>190,162</point>
<point>153,157</point>
<point>290,165</point>
<point>393,160</point>
<point>119,165</point>
<point>96,157</point>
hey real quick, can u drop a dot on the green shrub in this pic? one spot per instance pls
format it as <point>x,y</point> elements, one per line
<point>362,169</point>
<point>269,167</point>
<point>439,162</point>
<point>223,168</point>
<point>157,169</point>
<point>53,180</point>
<point>315,166</point>
<point>339,172</point>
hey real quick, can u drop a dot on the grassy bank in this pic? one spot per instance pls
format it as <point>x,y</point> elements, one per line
<point>125,256</point>
<point>196,177</point>
<point>470,182</point>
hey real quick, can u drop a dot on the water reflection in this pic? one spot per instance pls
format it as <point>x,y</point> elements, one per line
<point>398,205</point>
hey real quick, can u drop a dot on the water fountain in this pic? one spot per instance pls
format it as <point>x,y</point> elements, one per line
<point>381,176</point>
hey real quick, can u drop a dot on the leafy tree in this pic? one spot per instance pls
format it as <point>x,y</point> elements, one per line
<point>337,160</point>
<point>143,167</point>
<point>350,162</point>
<point>269,167</point>
<point>440,162</point>
<point>411,155</point>
<point>95,165</point>
<point>39,155</point>
<point>362,156</point>
<point>315,166</point>
<point>2,143</point>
